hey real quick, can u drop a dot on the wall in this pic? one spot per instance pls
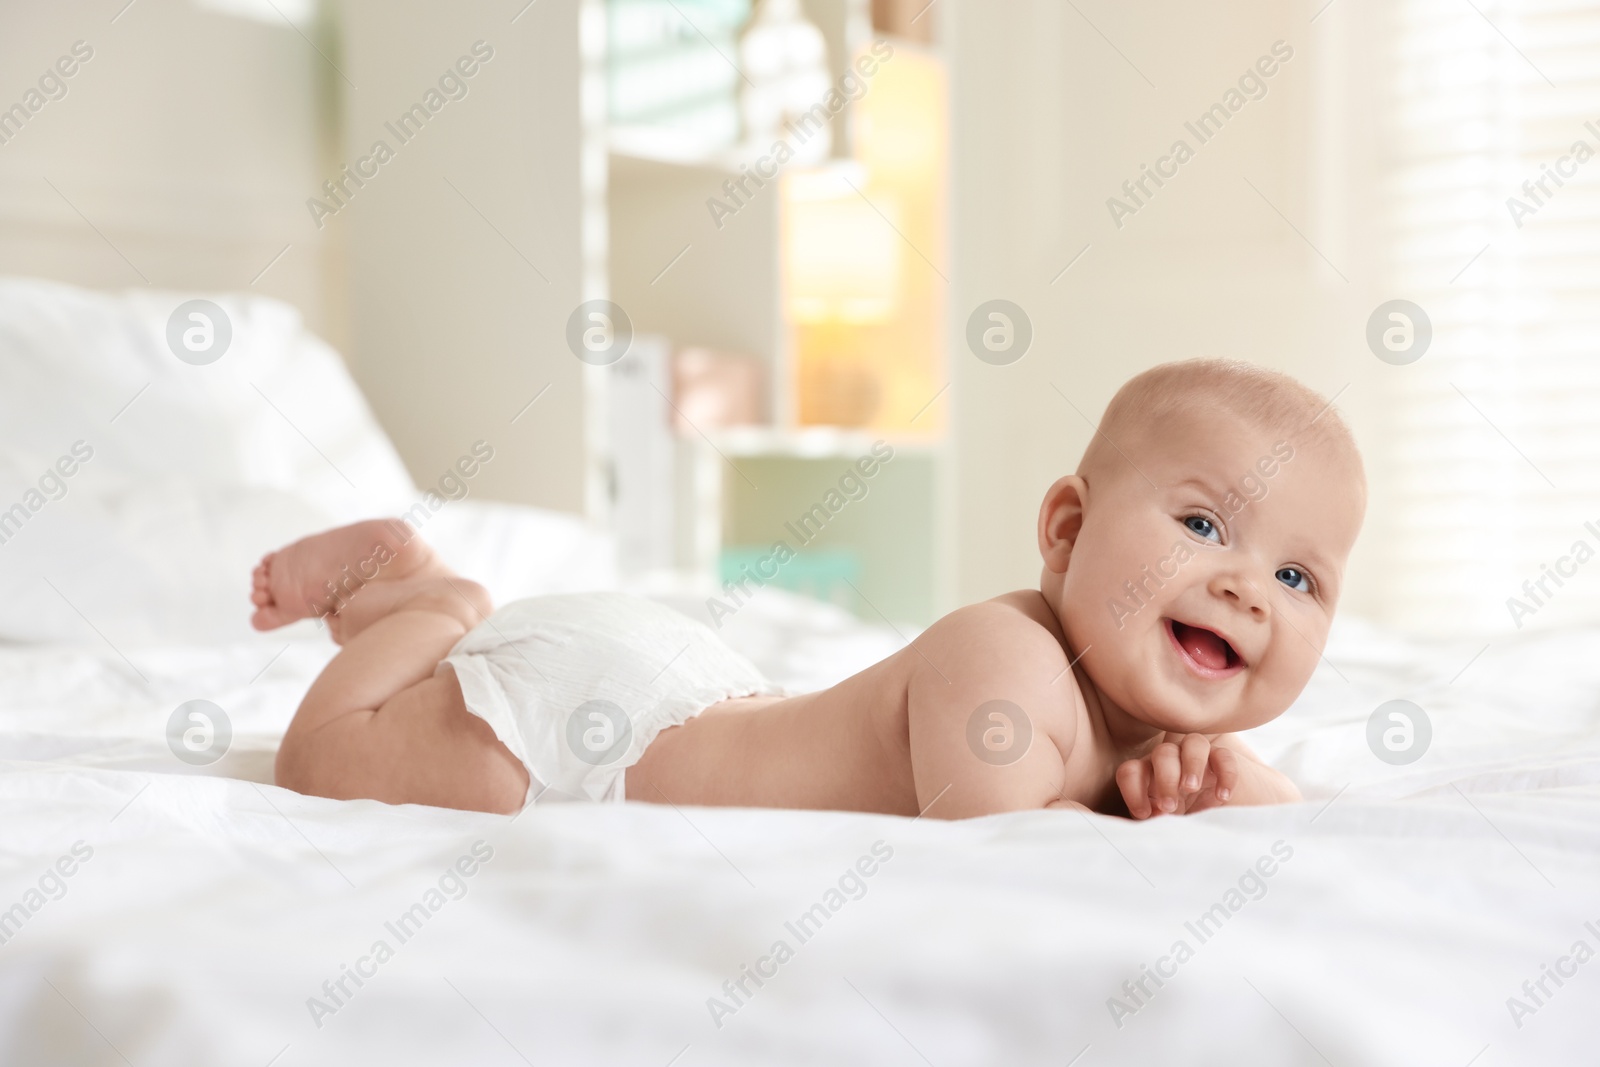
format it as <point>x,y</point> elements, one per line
<point>189,141</point>
<point>465,249</point>
<point>1052,111</point>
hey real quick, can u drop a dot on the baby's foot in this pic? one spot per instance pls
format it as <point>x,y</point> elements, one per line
<point>317,574</point>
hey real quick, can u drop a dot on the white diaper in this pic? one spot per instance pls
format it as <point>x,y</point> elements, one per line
<point>578,686</point>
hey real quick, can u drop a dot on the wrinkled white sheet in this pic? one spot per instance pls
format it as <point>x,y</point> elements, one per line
<point>1413,905</point>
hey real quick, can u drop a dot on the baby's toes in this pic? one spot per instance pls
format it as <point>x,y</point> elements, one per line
<point>269,617</point>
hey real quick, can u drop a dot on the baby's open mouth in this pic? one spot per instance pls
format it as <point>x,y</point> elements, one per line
<point>1207,651</point>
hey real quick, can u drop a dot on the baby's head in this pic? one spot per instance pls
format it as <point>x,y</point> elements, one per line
<point>1195,559</point>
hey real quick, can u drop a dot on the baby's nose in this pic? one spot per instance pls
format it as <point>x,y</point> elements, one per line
<point>1239,590</point>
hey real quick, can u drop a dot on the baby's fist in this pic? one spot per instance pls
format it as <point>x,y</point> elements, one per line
<point>1184,773</point>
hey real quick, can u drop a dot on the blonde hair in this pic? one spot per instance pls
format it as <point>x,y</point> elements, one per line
<point>1227,387</point>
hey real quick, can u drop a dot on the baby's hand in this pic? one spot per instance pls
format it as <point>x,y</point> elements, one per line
<point>1184,773</point>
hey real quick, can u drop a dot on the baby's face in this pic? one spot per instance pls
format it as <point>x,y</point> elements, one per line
<point>1201,602</point>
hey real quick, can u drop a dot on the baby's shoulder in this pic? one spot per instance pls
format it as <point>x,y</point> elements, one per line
<point>1012,625</point>
<point>992,711</point>
<point>1009,646</point>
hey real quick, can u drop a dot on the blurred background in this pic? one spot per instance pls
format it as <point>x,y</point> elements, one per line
<point>686,261</point>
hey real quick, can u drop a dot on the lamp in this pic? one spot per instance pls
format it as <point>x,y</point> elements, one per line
<point>842,277</point>
<point>841,260</point>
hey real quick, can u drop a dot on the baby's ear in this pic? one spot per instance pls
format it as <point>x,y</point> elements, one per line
<point>1061,520</point>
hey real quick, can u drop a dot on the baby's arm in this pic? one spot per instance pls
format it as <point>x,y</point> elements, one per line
<point>1186,773</point>
<point>1011,754</point>
<point>1258,783</point>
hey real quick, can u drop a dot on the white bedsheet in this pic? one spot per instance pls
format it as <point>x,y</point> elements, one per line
<point>213,908</point>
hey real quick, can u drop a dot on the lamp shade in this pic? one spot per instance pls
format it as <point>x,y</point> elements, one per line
<point>842,259</point>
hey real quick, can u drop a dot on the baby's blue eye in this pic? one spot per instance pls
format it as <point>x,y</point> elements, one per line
<point>1203,526</point>
<point>1295,579</point>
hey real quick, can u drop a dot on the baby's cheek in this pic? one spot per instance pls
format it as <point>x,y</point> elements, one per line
<point>1287,669</point>
<point>1124,663</point>
<point>1096,616</point>
<point>1110,575</point>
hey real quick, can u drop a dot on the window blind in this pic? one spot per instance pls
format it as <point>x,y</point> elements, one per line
<point>1496,446</point>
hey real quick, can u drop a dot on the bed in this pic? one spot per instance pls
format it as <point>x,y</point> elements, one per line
<point>155,912</point>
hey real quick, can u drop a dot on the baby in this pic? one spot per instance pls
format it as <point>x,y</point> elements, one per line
<point>1191,569</point>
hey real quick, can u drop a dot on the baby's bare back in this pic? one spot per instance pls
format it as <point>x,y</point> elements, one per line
<point>980,714</point>
<point>844,748</point>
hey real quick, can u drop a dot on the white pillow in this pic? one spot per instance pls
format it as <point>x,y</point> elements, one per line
<point>159,563</point>
<point>150,539</point>
<point>277,411</point>
<point>519,551</point>
<point>168,563</point>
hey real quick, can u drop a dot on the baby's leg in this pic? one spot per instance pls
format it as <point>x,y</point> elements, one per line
<point>377,722</point>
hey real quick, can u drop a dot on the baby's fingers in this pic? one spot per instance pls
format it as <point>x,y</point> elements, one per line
<point>1133,779</point>
<point>1225,764</point>
<point>1164,765</point>
<point>1193,753</point>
